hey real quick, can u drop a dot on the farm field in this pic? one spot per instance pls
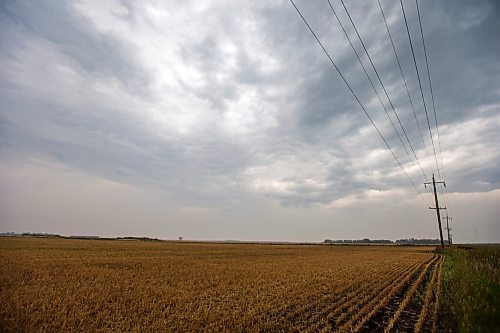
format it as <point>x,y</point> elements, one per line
<point>87,285</point>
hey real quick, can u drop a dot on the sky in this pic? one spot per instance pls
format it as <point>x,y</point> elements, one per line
<point>225,120</point>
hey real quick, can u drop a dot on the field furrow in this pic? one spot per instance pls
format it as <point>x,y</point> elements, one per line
<point>382,308</point>
<point>336,317</point>
<point>408,312</point>
<point>430,293</point>
<point>434,322</point>
<point>343,295</point>
<point>324,312</point>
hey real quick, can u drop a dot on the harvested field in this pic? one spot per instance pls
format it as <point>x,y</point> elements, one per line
<point>86,285</point>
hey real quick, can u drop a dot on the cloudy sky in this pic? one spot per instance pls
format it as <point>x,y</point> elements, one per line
<point>225,120</point>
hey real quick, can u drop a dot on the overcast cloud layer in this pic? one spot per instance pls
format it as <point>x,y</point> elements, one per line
<point>225,120</point>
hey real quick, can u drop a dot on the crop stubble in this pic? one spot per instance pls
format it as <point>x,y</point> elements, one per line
<point>82,285</point>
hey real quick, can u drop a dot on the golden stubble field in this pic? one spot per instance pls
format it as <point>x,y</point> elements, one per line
<point>88,285</point>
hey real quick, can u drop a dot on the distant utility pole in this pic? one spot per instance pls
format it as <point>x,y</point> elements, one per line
<point>437,208</point>
<point>448,228</point>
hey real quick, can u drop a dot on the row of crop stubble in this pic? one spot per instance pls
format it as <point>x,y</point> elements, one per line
<point>82,285</point>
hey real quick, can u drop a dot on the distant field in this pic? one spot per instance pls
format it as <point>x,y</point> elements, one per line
<point>85,285</point>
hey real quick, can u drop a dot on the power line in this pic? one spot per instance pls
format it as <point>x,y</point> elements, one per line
<point>404,82</point>
<point>383,87</point>
<point>420,86</point>
<point>432,97</point>
<point>355,96</point>
<point>369,79</point>
<point>402,75</point>
<point>430,86</point>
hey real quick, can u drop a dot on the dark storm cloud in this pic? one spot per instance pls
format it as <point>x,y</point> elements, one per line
<point>463,54</point>
<point>467,38</point>
<point>254,106</point>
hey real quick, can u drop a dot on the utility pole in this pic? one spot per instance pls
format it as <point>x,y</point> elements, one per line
<point>448,228</point>
<point>437,208</point>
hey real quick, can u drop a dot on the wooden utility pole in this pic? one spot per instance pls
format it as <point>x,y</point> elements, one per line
<point>437,208</point>
<point>448,228</point>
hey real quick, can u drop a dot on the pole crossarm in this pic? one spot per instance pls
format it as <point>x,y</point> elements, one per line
<point>430,183</point>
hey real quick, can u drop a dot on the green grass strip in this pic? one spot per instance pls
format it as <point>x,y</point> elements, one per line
<point>471,289</point>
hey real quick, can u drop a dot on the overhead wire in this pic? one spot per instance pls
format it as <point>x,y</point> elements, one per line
<point>404,79</point>
<point>357,99</point>
<point>383,86</point>
<point>430,86</point>
<point>420,86</point>
<point>404,83</point>
<point>432,98</point>
<point>370,80</point>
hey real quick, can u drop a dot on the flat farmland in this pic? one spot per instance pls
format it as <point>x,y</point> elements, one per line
<point>88,285</point>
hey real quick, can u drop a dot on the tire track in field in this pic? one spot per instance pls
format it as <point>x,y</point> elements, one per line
<point>326,311</point>
<point>407,315</point>
<point>293,314</point>
<point>329,304</point>
<point>394,293</point>
<point>424,322</point>
<point>341,297</point>
<point>381,308</point>
<point>335,295</point>
<point>340,315</point>
<point>390,309</point>
<point>437,299</point>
